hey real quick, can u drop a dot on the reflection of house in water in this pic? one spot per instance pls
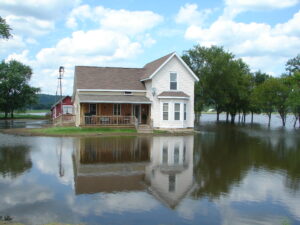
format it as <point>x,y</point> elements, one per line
<point>114,164</point>
<point>170,173</point>
<point>110,164</point>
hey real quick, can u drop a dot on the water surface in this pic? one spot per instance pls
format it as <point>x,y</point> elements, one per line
<point>242,174</point>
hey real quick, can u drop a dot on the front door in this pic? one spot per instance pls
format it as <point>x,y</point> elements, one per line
<point>137,112</point>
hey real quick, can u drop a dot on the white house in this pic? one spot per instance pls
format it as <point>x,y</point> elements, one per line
<point>160,95</point>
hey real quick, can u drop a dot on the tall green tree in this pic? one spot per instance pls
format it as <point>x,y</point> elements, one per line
<point>213,67</point>
<point>293,65</point>
<point>4,29</point>
<point>15,91</point>
<point>293,100</point>
<point>272,95</point>
<point>282,91</point>
<point>238,89</point>
<point>257,78</point>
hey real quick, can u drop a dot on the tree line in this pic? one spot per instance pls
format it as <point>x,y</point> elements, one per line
<point>15,91</point>
<point>227,84</point>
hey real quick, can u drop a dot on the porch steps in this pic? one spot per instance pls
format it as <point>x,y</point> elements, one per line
<point>145,129</point>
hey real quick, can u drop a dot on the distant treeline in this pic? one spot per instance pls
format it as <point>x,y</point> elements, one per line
<point>44,101</point>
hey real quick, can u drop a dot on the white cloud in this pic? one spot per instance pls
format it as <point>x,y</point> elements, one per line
<point>95,47</point>
<point>44,10</point>
<point>234,7</point>
<point>16,43</point>
<point>29,26</point>
<point>260,44</point>
<point>261,4</point>
<point>189,14</point>
<point>34,17</point>
<point>129,22</point>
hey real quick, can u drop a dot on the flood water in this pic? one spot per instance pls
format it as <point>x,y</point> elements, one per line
<point>224,174</point>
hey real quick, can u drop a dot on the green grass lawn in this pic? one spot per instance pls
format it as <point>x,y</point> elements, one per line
<point>82,130</point>
<point>161,132</point>
<point>34,111</point>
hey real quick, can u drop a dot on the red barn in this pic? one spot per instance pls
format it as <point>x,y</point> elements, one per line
<point>67,107</point>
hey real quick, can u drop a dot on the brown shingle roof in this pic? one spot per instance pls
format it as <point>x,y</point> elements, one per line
<point>114,99</point>
<point>151,67</point>
<point>115,78</point>
<point>173,94</point>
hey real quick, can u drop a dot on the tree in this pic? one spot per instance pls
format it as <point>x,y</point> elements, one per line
<point>238,89</point>
<point>293,65</point>
<point>4,29</point>
<point>293,100</point>
<point>270,95</point>
<point>282,93</point>
<point>213,67</point>
<point>260,77</point>
<point>15,91</point>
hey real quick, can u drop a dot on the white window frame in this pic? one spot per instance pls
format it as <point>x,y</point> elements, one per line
<point>178,111</point>
<point>172,81</point>
<point>163,110</point>
<point>118,112</point>
<point>68,109</point>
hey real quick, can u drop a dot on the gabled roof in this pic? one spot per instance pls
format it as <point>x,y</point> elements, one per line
<point>58,101</point>
<point>151,67</point>
<point>111,78</point>
<point>118,78</point>
<point>155,66</point>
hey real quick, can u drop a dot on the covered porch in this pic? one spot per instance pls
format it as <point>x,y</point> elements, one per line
<point>114,111</point>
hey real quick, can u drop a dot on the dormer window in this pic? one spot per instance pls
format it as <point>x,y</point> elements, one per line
<point>127,93</point>
<point>173,81</point>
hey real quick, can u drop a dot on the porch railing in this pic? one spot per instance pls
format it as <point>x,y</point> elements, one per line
<point>108,120</point>
<point>64,119</point>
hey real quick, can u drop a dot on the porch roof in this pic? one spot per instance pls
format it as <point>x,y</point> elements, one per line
<point>131,99</point>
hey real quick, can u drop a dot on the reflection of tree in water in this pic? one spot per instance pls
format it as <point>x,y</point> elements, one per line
<point>14,160</point>
<point>223,158</point>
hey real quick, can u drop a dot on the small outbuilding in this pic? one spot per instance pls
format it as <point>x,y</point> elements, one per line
<point>63,106</point>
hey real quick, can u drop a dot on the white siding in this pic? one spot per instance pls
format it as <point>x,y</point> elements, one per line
<point>161,81</point>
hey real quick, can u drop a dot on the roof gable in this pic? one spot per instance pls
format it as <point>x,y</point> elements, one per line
<point>152,68</point>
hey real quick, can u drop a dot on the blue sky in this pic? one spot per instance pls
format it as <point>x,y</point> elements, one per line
<point>130,33</point>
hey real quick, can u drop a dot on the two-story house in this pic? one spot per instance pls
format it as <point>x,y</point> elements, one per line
<point>161,94</point>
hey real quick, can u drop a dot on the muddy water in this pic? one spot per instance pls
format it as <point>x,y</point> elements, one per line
<point>242,174</point>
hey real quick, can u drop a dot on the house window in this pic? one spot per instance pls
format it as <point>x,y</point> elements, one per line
<point>184,112</point>
<point>127,93</point>
<point>177,111</point>
<point>165,111</point>
<point>67,109</point>
<point>93,109</point>
<point>117,110</point>
<point>173,81</point>
<point>172,182</point>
